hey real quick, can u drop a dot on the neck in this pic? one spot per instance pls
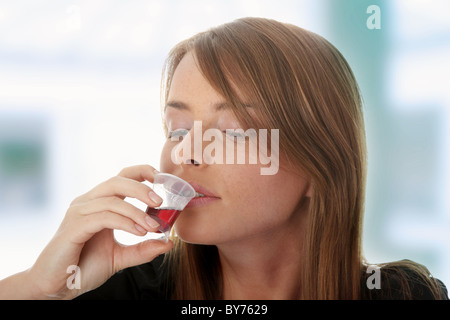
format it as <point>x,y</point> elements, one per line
<point>265,266</point>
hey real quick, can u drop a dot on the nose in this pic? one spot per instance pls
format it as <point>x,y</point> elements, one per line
<point>192,147</point>
<point>192,162</point>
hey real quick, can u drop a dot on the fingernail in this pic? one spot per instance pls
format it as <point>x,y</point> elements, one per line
<point>154,197</point>
<point>140,229</point>
<point>152,223</point>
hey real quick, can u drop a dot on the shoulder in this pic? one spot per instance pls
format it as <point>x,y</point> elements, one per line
<point>146,281</point>
<point>401,280</point>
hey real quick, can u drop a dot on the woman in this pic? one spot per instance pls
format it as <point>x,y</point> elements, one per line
<point>295,234</point>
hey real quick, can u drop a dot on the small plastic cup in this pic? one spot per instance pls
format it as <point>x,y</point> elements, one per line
<point>176,194</point>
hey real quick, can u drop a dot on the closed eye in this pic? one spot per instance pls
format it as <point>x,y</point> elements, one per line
<point>235,133</point>
<point>177,133</point>
<point>240,133</point>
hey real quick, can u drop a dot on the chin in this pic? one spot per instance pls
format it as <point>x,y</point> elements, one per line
<point>195,226</point>
<point>194,236</point>
<point>191,230</point>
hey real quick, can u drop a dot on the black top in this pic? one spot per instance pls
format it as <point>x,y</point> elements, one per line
<point>147,282</point>
<point>143,282</point>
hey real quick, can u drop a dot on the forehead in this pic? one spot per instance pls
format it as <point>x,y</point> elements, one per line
<point>190,92</point>
<point>188,83</point>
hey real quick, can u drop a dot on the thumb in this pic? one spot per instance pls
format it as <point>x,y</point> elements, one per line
<point>142,252</point>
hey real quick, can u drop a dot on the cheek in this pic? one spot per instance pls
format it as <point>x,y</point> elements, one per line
<point>166,164</point>
<point>256,202</point>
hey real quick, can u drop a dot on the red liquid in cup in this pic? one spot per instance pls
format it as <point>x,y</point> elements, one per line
<point>166,217</point>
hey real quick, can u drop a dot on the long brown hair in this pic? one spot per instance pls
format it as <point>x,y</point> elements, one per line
<point>304,87</point>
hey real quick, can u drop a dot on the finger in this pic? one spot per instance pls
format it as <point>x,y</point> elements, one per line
<point>94,223</point>
<point>125,187</point>
<point>119,206</point>
<point>128,256</point>
<point>139,173</point>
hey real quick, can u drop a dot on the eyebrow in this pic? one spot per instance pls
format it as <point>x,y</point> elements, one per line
<point>183,106</point>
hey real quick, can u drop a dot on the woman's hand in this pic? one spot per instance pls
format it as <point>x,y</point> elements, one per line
<point>85,237</point>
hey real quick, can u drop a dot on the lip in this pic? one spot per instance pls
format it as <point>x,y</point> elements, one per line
<point>201,201</point>
<point>201,189</point>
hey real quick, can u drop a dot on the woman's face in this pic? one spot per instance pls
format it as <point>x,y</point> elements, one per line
<point>240,202</point>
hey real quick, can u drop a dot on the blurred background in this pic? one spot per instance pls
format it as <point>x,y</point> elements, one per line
<point>79,100</point>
